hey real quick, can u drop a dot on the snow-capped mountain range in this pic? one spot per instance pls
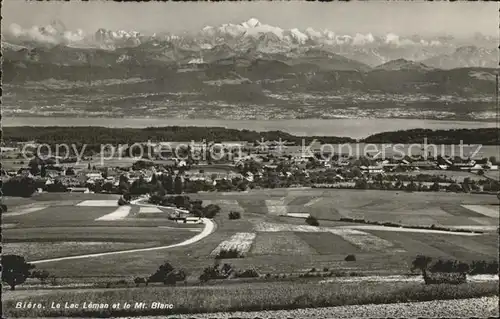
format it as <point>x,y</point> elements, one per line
<point>259,40</point>
<point>246,70</point>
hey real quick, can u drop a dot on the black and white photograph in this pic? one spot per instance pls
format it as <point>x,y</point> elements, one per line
<point>250,159</point>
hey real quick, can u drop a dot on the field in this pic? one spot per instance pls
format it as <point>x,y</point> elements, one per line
<point>273,244</point>
<point>41,250</point>
<point>13,163</point>
<point>245,297</point>
<point>484,307</point>
<point>281,244</point>
<point>241,242</point>
<point>458,176</point>
<point>492,175</point>
<point>443,209</point>
<point>43,227</point>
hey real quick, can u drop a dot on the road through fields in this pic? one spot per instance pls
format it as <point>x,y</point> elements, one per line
<point>209,228</point>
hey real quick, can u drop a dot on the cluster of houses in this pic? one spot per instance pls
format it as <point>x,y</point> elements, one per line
<point>435,164</point>
<point>270,157</point>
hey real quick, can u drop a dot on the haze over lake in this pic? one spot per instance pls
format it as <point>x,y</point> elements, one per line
<point>354,128</point>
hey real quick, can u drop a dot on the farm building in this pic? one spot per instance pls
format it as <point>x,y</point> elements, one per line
<point>423,164</point>
<point>84,190</point>
<point>372,169</point>
<point>177,213</point>
<point>193,220</point>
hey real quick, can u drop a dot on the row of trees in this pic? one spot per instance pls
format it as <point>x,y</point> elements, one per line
<point>94,137</point>
<point>484,136</point>
<point>424,264</point>
<point>15,271</point>
<point>40,167</point>
<point>161,184</point>
<point>22,186</point>
<point>169,275</point>
<point>225,271</point>
<point>184,202</point>
<point>165,274</point>
<point>168,184</point>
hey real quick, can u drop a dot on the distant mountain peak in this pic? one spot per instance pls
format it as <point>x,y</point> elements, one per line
<point>251,23</point>
<point>255,38</point>
<point>465,56</point>
<point>402,64</point>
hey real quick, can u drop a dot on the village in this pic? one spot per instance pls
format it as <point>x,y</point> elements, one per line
<point>239,166</point>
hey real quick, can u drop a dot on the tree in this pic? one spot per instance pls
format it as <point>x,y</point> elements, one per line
<point>141,164</point>
<point>124,200</point>
<point>154,179</point>
<point>248,273</point>
<point>108,187</point>
<point>434,187</point>
<point>216,272</point>
<point>182,202</point>
<point>311,220</point>
<point>161,273</point>
<point>454,187</point>
<point>15,270</point>
<point>480,172</point>
<point>209,272</point>
<point>33,165</point>
<point>234,215</point>
<point>356,172</point>
<point>168,183</point>
<point>174,276</point>
<point>42,275</point>
<point>462,267</point>
<point>156,199</point>
<point>350,258</point>
<point>123,186</point>
<point>43,170</point>
<point>140,187</point>
<point>139,280</point>
<point>56,187</point>
<point>197,208</point>
<point>411,187</point>
<point>158,189</point>
<point>211,210</point>
<point>178,185</point>
<point>361,184</point>
<point>421,263</point>
<point>19,186</point>
<point>242,186</point>
<point>466,185</point>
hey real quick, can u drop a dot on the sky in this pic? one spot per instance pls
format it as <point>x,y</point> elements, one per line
<point>400,17</point>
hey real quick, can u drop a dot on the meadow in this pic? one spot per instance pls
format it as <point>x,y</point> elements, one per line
<point>458,176</point>
<point>447,209</point>
<point>280,248</point>
<point>243,297</point>
<point>43,227</point>
<point>284,245</point>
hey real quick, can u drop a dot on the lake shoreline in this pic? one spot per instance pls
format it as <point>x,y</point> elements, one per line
<point>354,128</point>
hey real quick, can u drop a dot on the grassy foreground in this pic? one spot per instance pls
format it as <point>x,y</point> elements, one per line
<point>244,297</point>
